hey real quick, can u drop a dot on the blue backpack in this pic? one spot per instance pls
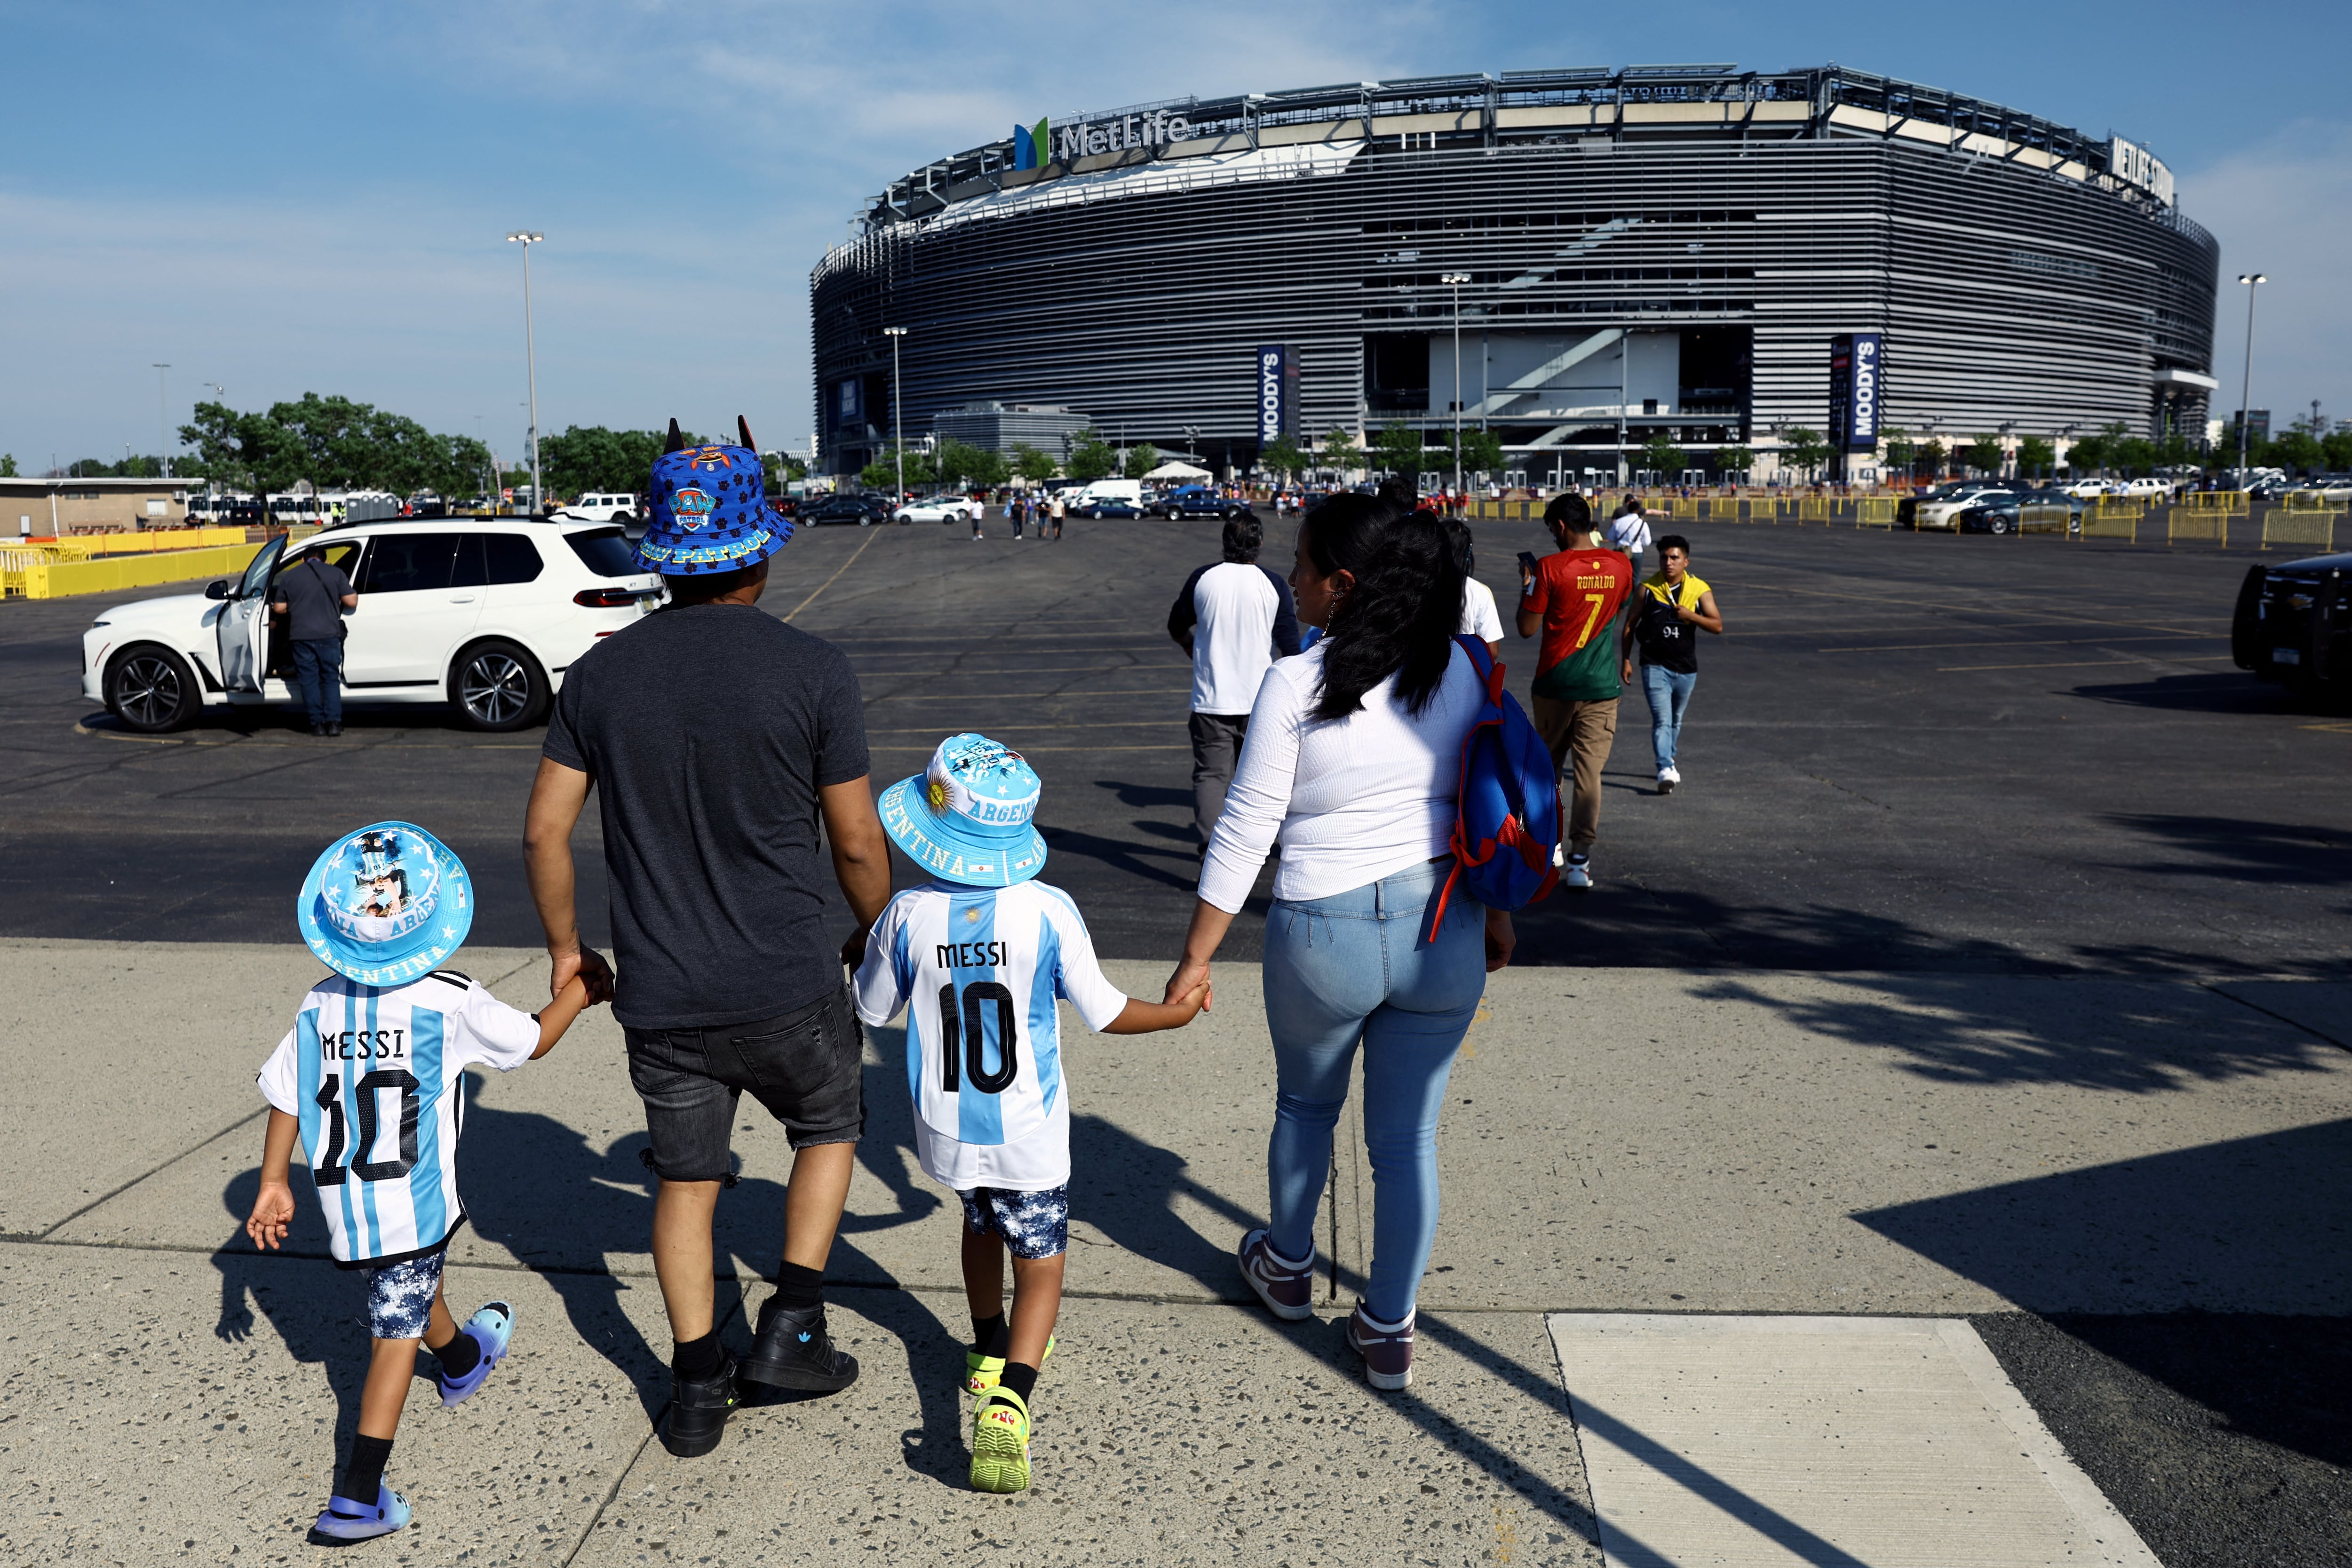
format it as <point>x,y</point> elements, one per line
<point>1506,814</point>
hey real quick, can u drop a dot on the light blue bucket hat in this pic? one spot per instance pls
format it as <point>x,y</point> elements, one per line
<point>966,818</point>
<point>385,905</point>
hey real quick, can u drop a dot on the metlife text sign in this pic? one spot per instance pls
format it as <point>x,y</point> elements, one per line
<point>2136,165</point>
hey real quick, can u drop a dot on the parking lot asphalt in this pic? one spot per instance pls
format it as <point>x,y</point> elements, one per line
<point>1908,752</point>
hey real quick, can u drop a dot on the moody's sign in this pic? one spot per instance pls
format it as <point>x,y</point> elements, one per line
<point>1867,383</point>
<point>1278,387</point>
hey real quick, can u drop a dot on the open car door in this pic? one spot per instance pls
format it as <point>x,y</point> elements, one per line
<point>243,627</point>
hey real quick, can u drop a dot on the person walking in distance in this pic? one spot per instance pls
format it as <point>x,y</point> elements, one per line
<point>314,595</point>
<point>1355,760</point>
<point>1629,531</point>
<point>1667,610</point>
<point>719,738</point>
<point>1235,618</point>
<point>1574,598</point>
<point>1054,510</point>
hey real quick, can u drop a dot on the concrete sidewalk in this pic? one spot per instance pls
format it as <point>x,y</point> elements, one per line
<point>1653,1141</point>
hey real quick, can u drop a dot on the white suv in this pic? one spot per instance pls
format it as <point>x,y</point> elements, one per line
<point>602,508</point>
<point>485,615</point>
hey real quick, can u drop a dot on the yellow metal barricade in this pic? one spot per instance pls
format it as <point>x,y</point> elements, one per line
<point>2214,500</point>
<point>1814,509</point>
<point>2047,516</point>
<point>2100,523</point>
<point>1874,511</point>
<point>2207,527</point>
<point>47,579</point>
<point>2303,527</point>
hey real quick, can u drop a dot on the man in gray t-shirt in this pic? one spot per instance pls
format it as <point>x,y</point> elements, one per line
<point>312,594</point>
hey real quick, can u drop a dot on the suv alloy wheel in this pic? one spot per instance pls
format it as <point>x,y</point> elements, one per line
<point>151,689</point>
<point>497,686</point>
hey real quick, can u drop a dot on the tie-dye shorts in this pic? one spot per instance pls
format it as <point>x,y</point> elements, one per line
<point>1034,1224</point>
<point>399,1297</point>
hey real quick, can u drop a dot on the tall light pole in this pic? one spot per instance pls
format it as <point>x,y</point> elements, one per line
<point>163,445</point>
<point>897,418</point>
<point>530,363</point>
<point>1455,280</point>
<point>2253,282</point>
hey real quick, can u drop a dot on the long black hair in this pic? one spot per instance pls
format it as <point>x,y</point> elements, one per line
<point>1400,617</point>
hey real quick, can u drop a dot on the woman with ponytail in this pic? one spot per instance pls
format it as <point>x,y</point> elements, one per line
<point>1353,758</point>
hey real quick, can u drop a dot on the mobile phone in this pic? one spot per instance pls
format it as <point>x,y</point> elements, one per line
<point>1527,562</point>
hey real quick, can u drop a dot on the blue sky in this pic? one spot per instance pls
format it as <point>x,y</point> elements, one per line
<point>282,198</point>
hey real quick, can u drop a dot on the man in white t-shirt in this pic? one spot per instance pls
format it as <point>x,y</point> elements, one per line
<point>1234,617</point>
<point>1629,531</point>
<point>978,957</point>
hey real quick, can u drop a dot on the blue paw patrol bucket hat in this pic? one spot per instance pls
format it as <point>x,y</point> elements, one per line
<point>965,818</point>
<point>386,905</point>
<point>710,510</point>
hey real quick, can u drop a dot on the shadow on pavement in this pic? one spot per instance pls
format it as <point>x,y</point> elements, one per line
<point>2224,691</point>
<point>2251,1223</point>
<point>2235,850</point>
<point>1127,1189</point>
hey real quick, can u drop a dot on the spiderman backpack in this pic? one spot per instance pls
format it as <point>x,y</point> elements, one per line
<point>1506,814</point>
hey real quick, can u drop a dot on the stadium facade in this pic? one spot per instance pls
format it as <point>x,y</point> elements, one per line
<point>1714,255</point>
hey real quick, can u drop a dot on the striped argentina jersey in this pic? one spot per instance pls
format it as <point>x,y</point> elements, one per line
<point>375,1075</point>
<point>978,970</point>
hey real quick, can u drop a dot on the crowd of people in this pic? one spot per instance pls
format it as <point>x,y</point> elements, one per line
<point>727,753</point>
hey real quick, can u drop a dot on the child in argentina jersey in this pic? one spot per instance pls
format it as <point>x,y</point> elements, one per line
<point>370,1083</point>
<point>979,971</point>
<point>979,957</point>
<point>374,1076</point>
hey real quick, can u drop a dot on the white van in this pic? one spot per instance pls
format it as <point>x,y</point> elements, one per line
<point>1082,497</point>
<point>609,507</point>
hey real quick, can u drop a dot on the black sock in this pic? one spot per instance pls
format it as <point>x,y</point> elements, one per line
<point>1019,1378</point>
<point>461,1355</point>
<point>363,1472</point>
<point>989,1336</point>
<point>799,1289</point>
<point>698,1361</point>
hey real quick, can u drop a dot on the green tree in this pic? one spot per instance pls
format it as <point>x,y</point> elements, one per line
<point>961,462</point>
<point>882,473</point>
<point>1982,454</point>
<point>1142,460</point>
<point>2136,455</point>
<point>1032,464</point>
<point>1661,456</point>
<point>1481,452</point>
<point>584,459</point>
<point>2298,452</point>
<point>1340,451</point>
<point>1398,448</point>
<point>1803,449</point>
<point>7,464</point>
<point>2036,455</point>
<point>2339,449</point>
<point>1932,458</point>
<point>1091,458</point>
<point>1734,461</point>
<point>1902,452</point>
<point>1282,457</point>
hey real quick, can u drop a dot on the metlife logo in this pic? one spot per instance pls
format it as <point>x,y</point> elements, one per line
<point>1035,145</point>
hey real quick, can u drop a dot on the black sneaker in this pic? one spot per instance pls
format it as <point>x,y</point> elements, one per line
<point>793,1351</point>
<point>699,1410</point>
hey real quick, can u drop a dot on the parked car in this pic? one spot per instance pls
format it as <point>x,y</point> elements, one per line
<point>2088,489</point>
<point>861,510</point>
<point>1106,506</point>
<point>939,508</point>
<point>2003,511</point>
<point>2294,623</point>
<point>485,615</point>
<point>2148,487</point>
<point>602,507</point>
<point>1939,507</point>
<point>1198,500</point>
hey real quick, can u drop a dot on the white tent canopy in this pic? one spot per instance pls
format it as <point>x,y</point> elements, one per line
<point>1176,470</point>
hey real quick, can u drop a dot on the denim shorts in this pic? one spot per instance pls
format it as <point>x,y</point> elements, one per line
<point>807,1068</point>
<point>1034,1224</point>
<point>399,1297</point>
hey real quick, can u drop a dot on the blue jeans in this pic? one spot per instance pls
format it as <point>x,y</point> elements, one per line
<point>1354,967</point>
<point>319,667</point>
<point>1669,693</point>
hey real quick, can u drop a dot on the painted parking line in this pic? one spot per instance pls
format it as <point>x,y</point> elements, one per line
<point>1822,1443</point>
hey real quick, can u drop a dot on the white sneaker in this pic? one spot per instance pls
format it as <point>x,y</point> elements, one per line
<point>1579,873</point>
<point>1667,779</point>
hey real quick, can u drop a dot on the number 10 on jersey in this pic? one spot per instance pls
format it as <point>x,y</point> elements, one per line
<point>963,1044</point>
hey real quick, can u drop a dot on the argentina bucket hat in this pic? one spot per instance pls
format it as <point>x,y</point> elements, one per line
<point>708,509</point>
<point>385,905</point>
<point>966,817</point>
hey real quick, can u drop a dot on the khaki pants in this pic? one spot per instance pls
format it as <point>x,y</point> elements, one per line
<point>1579,736</point>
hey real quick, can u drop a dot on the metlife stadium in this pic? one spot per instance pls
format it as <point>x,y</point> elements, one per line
<point>1711,254</point>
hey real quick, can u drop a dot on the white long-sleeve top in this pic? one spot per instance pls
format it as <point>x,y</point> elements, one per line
<point>1353,799</point>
